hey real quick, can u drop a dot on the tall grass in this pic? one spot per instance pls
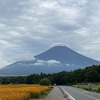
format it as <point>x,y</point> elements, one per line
<point>89,86</point>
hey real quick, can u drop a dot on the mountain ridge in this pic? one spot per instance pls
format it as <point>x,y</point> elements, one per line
<point>55,59</point>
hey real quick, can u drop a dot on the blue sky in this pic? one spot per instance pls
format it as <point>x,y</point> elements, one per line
<point>29,27</point>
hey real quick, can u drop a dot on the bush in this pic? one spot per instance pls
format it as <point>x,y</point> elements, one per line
<point>44,81</point>
<point>98,90</point>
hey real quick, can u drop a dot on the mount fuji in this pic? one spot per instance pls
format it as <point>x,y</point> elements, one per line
<point>56,59</point>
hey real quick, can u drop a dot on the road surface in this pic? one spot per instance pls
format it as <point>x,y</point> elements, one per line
<point>80,94</point>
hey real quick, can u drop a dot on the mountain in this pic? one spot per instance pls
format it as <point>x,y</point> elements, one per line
<point>66,55</point>
<point>56,59</point>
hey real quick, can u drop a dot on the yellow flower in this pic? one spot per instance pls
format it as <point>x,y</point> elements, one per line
<point>20,92</point>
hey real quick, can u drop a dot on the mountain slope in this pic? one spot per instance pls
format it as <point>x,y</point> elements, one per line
<point>66,56</point>
<point>56,59</point>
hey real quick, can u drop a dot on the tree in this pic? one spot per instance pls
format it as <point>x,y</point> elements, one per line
<point>45,81</point>
<point>79,75</point>
<point>92,76</point>
<point>32,79</point>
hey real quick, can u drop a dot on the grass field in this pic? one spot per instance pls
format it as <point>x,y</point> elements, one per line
<point>21,92</point>
<point>89,86</point>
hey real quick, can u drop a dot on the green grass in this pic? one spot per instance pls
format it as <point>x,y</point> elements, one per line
<point>89,86</point>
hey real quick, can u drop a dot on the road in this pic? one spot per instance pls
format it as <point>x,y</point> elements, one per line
<point>80,94</point>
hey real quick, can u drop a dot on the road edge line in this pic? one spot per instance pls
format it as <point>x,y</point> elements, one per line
<point>65,92</point>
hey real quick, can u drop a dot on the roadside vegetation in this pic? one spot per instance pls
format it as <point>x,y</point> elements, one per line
<point>94,87</point>
<point>45,81</point>
<point>22,91</point>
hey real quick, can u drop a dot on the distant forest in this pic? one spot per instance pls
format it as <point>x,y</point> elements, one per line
<point>90,74</point>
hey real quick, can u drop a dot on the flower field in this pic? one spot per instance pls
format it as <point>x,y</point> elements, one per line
<point>21,92</point>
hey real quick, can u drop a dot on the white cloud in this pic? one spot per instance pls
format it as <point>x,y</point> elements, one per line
<point>53,62</point>
<point>29,27</point>
<point>3,60</point>
<point>57,44</point>
<point>3,42</point>
<point>38,64</point>
<point>2,25</point>
<point>40,61</point>
<point>14,33</point>
<point>67,64</point>
<point>48,5</point>
<point>48,62</point>
<point>83,31</point>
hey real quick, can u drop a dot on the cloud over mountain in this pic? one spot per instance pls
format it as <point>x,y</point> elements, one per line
<point>30,26</point>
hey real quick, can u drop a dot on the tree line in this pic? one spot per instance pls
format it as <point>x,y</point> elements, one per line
<point>90,74</point>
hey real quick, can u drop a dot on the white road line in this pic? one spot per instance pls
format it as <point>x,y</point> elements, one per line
<point>85,94</point>
<point>72,98</point>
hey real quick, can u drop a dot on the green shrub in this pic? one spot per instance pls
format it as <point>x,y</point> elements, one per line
<point>98,90</point>
<point>44,81</point>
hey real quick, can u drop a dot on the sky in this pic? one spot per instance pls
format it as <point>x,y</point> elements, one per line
<point>29,27</point>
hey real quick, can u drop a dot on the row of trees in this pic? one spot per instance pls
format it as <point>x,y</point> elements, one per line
<point>89,74</point>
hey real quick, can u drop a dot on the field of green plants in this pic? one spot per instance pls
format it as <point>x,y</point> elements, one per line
<point>89,86</point>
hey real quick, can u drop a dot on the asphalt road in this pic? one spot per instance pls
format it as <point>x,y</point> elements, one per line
<point>80,94</point>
